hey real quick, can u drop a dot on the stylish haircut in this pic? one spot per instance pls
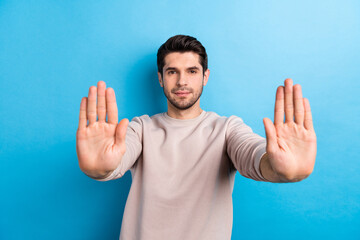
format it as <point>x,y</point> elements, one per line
<point>181,43</point>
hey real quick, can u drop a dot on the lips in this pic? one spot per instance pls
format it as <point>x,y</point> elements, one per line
<point>182,93</point>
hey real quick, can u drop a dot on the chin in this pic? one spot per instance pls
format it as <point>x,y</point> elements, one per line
<point>183,106</point>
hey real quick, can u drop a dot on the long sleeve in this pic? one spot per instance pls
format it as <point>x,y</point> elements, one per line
<point>245,148</point>
<point>133,143</point>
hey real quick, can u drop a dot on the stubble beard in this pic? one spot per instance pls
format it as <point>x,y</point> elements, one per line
<point>181,105</point>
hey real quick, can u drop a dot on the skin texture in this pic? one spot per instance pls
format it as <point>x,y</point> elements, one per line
<point>291,142</point>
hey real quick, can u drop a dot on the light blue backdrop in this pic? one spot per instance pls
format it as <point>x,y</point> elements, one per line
<point>51,52</point>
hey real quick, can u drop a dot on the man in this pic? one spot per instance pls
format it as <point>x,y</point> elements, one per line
<point>183,162</point>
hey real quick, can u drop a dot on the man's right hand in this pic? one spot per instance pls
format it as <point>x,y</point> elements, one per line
<point>100,144</point>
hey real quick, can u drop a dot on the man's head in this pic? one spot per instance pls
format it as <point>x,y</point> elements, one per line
<point>181,43</point>
<point>182,70</point>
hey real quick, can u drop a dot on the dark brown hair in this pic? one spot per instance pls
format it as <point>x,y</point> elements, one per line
<point>181,43</point>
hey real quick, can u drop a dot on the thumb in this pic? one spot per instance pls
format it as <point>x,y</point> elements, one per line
<point>121,132</point>
<point>271,138</point>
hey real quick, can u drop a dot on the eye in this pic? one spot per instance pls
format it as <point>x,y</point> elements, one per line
<point>171,72</point>
<point>192,71</point>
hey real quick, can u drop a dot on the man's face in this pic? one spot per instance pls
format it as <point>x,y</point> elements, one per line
<point>183,79</point>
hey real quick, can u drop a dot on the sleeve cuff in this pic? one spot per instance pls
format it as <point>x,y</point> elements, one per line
<point>260,152</point>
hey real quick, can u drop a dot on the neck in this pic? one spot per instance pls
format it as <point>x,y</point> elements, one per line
<point>189,113</point>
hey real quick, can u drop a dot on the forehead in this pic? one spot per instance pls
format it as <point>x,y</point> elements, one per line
<point>185,59</point>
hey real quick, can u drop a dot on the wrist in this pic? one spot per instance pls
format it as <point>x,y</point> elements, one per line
<point>268,171</point>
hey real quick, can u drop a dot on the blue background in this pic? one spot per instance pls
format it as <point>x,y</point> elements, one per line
<point>51,52</point>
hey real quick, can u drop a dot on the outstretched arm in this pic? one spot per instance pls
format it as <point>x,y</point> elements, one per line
<point>291,144</point>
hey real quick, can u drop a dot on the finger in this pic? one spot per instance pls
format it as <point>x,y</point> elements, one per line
<point>299,105</point>
<point>308,122</point>
<point>111,107</point>
<point>91,105</point>
<point>289,107</point>
<point>279,106</point>
<point>82,115</point>
<point>121,132</point>
<point>101,103</point>
<point>271,137</point>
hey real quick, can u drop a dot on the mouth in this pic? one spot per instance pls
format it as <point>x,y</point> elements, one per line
<point>182,93</point>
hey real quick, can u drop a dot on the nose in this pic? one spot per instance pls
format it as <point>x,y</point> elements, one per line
<point>181,81</point>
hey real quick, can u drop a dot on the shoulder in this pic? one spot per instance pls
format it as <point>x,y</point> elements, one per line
<point>146,120</point>
<point>141,119</point>
<point>212,116</point>
<point>236,125</point>
<point>231,124</point>
<point>137,123</point>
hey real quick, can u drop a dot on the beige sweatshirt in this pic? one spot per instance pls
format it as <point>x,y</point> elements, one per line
<point>183,174</point>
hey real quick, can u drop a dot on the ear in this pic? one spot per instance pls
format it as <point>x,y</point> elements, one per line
<point>206,76</point>
<point>160,80</point>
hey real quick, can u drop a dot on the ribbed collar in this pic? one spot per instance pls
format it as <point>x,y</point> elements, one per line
<point>183,122</point>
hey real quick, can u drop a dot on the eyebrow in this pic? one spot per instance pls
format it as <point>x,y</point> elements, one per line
<point>194,68</point>
<point>173,68</point>
<point>170,68</point>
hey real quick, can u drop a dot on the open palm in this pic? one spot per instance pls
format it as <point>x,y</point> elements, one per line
<point>100,144</point>
<point>291,144</point>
